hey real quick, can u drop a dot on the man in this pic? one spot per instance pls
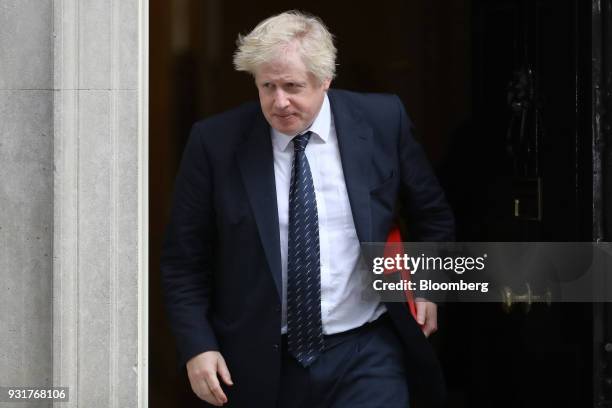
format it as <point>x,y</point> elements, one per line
<point>271,203</point>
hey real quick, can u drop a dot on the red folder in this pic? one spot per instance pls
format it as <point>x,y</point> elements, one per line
<point>394,247</point>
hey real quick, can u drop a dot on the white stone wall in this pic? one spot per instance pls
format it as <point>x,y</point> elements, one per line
<point>26,193</point>
<point>73,199</point>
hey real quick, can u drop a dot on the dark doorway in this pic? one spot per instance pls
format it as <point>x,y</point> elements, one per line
<point>500,92</point>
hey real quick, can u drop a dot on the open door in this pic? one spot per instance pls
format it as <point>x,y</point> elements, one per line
<point>522,170</point>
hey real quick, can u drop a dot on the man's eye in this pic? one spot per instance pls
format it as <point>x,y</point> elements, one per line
<point>293,86</point>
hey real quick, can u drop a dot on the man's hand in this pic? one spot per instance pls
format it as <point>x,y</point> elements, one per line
<point>427,316</point>
<point>202,371</point>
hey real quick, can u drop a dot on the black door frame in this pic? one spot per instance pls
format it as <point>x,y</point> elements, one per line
<point>601,120</point>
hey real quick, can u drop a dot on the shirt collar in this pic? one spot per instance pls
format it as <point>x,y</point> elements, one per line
<point>320,127</point>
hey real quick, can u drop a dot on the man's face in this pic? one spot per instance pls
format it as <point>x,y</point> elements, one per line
<point>290,96</point>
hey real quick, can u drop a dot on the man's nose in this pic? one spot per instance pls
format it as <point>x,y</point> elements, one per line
<point>280,100</point>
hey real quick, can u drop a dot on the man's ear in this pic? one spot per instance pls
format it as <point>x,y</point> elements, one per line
<point>326,84</point>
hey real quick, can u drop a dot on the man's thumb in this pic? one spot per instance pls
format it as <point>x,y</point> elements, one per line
<point>421,313</point>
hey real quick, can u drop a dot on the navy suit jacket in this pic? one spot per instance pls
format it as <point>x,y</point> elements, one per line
<point>221,262</point>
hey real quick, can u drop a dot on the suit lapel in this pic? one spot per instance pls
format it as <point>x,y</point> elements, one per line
<point>355,143</point>
<point>256,162</point>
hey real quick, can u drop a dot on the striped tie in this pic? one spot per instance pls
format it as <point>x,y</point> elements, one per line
<point>304,327</point>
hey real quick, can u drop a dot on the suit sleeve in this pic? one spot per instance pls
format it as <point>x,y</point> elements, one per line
<point>423,203</point>
<point>187,254</point>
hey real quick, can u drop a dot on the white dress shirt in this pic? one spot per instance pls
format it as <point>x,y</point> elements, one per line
<point>343,304</point>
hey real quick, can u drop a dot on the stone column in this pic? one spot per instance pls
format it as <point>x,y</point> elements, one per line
<point>73,199</point>
<point>100,160</point>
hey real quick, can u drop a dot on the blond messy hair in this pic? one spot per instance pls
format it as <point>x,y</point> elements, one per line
<point>289,30</point>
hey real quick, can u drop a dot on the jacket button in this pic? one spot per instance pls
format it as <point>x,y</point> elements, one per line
<point>275,347</point>
<point>278,308</point>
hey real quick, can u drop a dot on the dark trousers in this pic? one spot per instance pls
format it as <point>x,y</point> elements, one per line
<point>363,367</point>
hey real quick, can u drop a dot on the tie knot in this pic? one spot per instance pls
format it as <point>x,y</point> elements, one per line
<point>300,141</point>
